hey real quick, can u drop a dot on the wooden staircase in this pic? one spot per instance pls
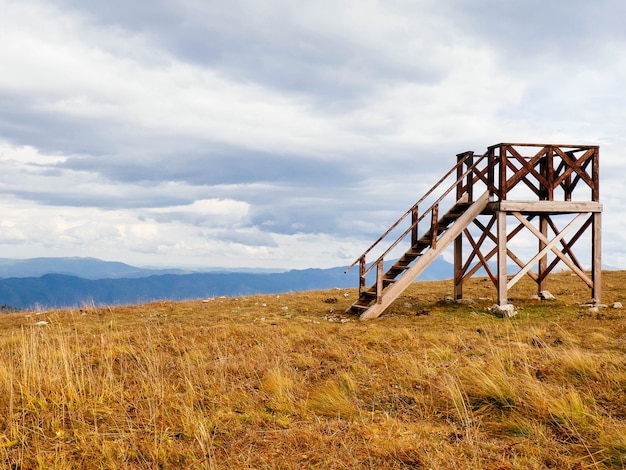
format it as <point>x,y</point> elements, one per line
<point>403,272</point>
<point>389,284</point>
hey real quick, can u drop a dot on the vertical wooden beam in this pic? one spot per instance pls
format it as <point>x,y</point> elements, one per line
<point>379,282</point>
<point>550,173</point>
<point>503,184</point>
<point>460,158</point>
<point>434,226</point>
<point>491,165</point>
<point>362,275</point>
<point>595,176</point>
<point>543,261</point>
<point>458,267</point>
<point>596,264</point>
<point>414,219</point>
<point>543,171</point>
<point>501,242</point>
<point>469,187</point>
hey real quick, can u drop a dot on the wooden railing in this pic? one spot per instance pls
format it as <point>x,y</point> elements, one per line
<point>548,169</point>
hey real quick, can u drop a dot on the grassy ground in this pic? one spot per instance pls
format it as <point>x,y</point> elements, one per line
<point>292,382</point>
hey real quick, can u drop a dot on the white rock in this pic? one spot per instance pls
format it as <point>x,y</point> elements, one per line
<point>616,305</point>
<point>41,323</point>
<point>546,295</point>
<point>505,311</point>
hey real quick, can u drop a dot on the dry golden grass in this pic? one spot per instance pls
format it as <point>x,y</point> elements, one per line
<point>290,382</point>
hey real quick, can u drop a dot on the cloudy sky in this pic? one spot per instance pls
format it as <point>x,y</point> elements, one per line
<point>276,133</point>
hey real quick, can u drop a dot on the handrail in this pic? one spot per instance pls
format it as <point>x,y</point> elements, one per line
<point>397,222</point>
<point>470,169</point>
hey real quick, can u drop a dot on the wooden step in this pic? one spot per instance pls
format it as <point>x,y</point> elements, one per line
<point>399,267</point>
<point>368,294</point>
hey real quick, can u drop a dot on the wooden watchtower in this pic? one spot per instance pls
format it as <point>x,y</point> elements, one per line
<point>548,191</point>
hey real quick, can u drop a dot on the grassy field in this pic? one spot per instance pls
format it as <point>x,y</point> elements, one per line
<point>291,382</point>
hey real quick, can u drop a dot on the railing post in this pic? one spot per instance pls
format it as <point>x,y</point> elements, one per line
<point>434,221</point>
<point>362,275</point>
<point>469,187</point>
<point>491,169</point>
<point>460,159</point>
<point>502,184</point>
<point>550,175</point>
<point>595,175</point>
<point>464,161</point>
<point>414,220</point>
<point>379,282</point>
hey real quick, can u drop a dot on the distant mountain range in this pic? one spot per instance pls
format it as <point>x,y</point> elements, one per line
<point>93,268</point>
<point>74,282</point>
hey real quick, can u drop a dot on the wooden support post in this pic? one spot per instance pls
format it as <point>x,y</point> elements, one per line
<point>596,267</point>
<point>501,242</point>
<point>543,261</point>
<point>458,267</point>
<point>434,229</point>
<point>362,275</point>
<point>379,282</point>
<point>414,220</point>
<point>470,178</point>
<point>503,182</point>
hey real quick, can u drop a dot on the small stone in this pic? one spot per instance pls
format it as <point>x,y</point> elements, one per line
<point>546,295</point>
<point>41,323</point>
<point>408,305</point>
<point>534,297</point>
<point>594,309</point>
<point>616,305</point>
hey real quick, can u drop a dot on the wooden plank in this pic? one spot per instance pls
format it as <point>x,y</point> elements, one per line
<point>549,207</point>
<point>569,146</point>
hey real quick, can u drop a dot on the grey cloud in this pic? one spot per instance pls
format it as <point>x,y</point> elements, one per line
<point>215,168</point>
<point>535,30</point>
<point>70,197</point>
<point>268,47</point>
<point>25,120</point>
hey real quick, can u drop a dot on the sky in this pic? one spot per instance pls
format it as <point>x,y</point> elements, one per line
<point>283,134</point>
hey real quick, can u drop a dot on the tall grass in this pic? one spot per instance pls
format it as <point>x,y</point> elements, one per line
<point>277,382</point>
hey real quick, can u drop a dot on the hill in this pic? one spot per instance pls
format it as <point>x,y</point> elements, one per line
<point>57,290</point>
<point>290,382</point>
